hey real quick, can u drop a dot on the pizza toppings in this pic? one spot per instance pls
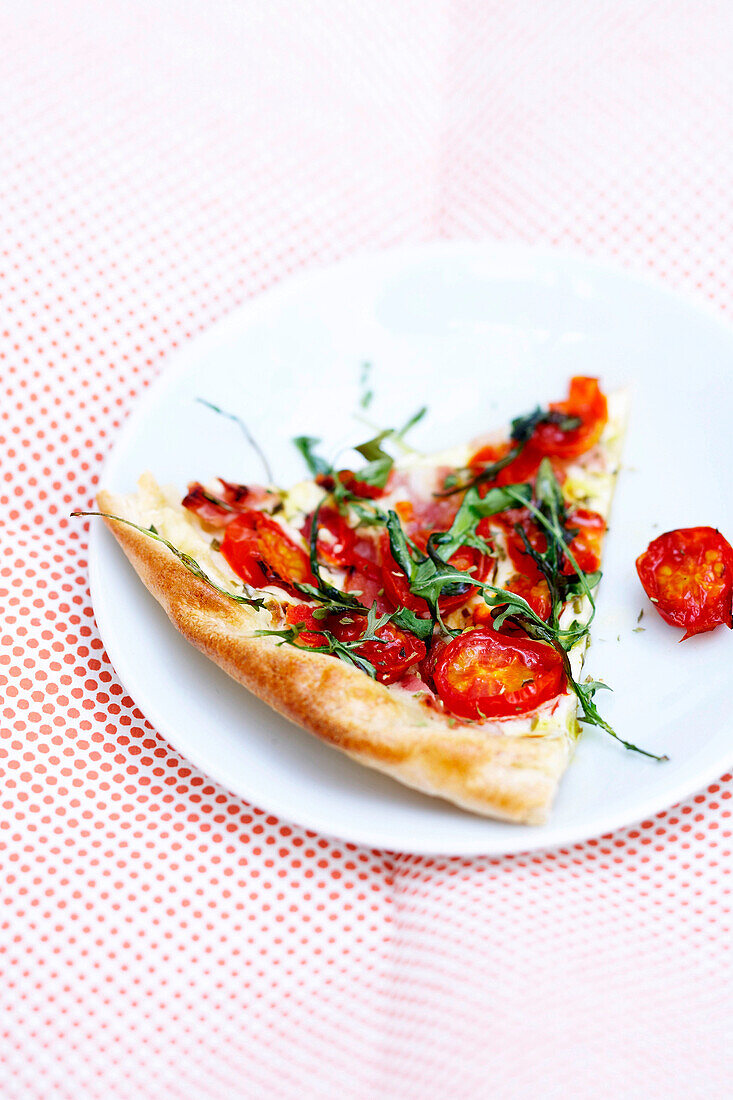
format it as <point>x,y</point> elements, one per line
<point>261,553</point>
<point>376,646</point>
<point>219,509</point>
<point>455,577</point>
<point>336,540</point>
<point>469,560</point>
<point>411,574</point>
<point>557,435</point>
<point>688,576</point>
<point>564,431</point>
<point>482,674</point>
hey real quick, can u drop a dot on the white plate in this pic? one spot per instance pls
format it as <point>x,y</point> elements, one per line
<point>480,333</point>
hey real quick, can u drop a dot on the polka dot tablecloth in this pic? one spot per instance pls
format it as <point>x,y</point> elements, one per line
<point>159,164</point>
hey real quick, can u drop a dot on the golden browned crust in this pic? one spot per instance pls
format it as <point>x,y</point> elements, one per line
<point>498,774</point>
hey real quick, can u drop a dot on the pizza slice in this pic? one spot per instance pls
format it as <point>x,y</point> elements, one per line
<point>427,616</point>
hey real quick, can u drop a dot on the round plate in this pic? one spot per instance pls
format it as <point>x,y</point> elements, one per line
<point>479,333</point>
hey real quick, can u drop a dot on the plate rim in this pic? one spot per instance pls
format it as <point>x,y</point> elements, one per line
<point>517,842</point>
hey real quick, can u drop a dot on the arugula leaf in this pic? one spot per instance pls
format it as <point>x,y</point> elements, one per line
<point>334,601</point>
<point>379,462</point>
<point>331,645</point>
<point>246,433</point>
<point>185,559</point>
<point>367,395</point>
<point>345,651</point>
<point>376,472</point>
<point>473,508</point>
<point>316,465</point>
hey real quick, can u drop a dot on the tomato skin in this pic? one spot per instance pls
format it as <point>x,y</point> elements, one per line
<point>688,575</point>
<point>585,400</point>
<point>482,674</point>
<point>397,588</point>
<point>392,656</point>
<point>261,553</point>
<point>522,468</point>
<point>517,551</point>
<point>534,591</point>
<point>297,613</point>
<point>586,545</point>
<point>338,549</point>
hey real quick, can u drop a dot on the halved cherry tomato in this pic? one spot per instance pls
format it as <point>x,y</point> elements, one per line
<point>586,401</point>
<point>335,538</point>
<point>397,588</point>
<point>430,660</point>
<point>688,576</point>
<point>261,553</point>
<point>586,545</point>
<point>395,652</point>
<point>482,674</point>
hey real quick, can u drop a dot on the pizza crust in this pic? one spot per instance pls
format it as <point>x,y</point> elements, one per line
<point>485,768</point>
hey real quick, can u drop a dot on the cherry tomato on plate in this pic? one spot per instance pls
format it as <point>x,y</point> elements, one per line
<point>482,674</point>
<point>262,553</point>
<point>688,576</point>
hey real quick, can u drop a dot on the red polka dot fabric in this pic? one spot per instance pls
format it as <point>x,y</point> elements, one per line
<point>161,163</point>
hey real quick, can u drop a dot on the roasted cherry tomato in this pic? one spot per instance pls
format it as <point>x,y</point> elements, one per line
<point>261,553</point>
<point>392,655</point>
<point>397,588</point>
<point>585,401</point>
<point>586,545</point>
<point>335,538</point>
<point>482,674</point>
<point>522,468</point>
<point>688,576</point>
